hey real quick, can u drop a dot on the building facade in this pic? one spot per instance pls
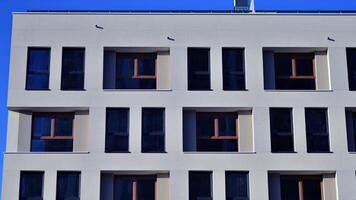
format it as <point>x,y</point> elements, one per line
<point>175,106</point>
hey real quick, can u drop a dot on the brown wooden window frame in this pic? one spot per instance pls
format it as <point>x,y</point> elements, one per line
<point>216,117</point>
<point>134,183</point>
<point>53,117</point>
<point>301,180</point>
<point>295,56</point>
<point>136,57</point>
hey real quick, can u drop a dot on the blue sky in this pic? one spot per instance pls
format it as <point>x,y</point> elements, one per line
<point>8,6</point>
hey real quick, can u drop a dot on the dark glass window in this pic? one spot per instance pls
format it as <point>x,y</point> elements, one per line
<point>31,185</point>
<point>52,132</point>
<point>316,122</point>
<point>281,130</point>
<point>216,131</point>
<point>38,61</point>
<point>73,60</point>
<point>153,130</point>
<point>295,71</point>
<point>308,186</point>
<point>351,130</point>
<point>134,187</point>
<point>198,69</point>
<point>351,66</point>
<point>68,185</point>
<point>200,185</point>
<point>236,185</point>
<point>117,130</point>
<point>233,69</point>
<point>130,70</point>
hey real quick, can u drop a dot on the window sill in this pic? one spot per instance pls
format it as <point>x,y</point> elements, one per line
<point>245,90</point>
<point>153,152</point>
<point>216,152</point>
<point>208,90</point>
<point>118,152</point>
<point>275,90</point>
<point>329,152</point>
<point>285,152</point>
<point>81,152</point>
<point>137,90</point>
<point>33,90</point>
<point>78,90</point>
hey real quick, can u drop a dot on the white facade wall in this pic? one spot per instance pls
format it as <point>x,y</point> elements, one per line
<point>252,32</point>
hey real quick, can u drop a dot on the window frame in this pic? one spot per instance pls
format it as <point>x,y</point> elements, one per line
<point>293,57</point>
<point>28,71</point>
<point>275,134</point>
<point>301,179</point>
<point>216,116</point>
<point>211,184</point>
<point>351,70</point>
<point>128,128</point>
<point>53,116</point>
<point>191,74</point>
<point>135,179</point>
<point>83,72</point>
<point>226,71</point>
<point>327,126</point>
<point>42,173</point>
<point>163,110</point>
<point>79,181</point>
<point>136,57</point>
<point>246,174</point>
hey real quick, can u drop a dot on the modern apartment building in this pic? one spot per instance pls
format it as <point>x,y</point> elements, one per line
<point>181,106</point>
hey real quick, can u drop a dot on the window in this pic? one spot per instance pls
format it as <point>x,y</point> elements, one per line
<point>198,69</point>
<point>351,66</point>
<point>317,130</point>
<point>295,71</point>
<point>130,70</point>
<point>134,187</point>
<point>233,69</point>
<point>153,130</point>
<point>301,187</point>
<point>281,130</point>
<point>236,185</point>
<point>38,61</point>
<point>52,132</point>
<point>351,130</point>
<point>31,185</point>
<point>217,131</point>
<point>68,185</point>
<point>200,185</point>
<point>117,130</point>
<point>73,68</point>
